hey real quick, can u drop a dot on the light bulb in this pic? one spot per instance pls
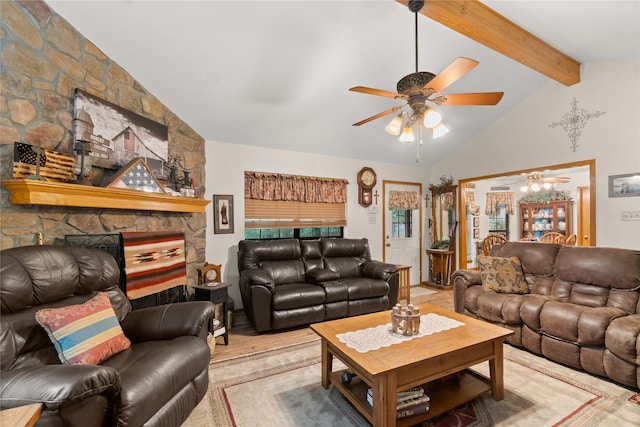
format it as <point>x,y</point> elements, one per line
<point>432,118</point>
<point>440,130</point>
<point>524,188</point>
<point>407,134</point>
<point>547,185</point>
<point>535,186</point>
<point>395,125</point>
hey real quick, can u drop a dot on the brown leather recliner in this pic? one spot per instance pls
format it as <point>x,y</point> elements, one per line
<point>583,309</point>
<point>291,282</point>
<point>157,381</point>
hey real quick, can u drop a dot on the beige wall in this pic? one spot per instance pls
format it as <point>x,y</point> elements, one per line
<point>43,60</point>
<point>522,139</point>
<point>225,175</point>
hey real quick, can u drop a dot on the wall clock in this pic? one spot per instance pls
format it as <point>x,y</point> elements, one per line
<point>209,273</point>
<point>366,182</point>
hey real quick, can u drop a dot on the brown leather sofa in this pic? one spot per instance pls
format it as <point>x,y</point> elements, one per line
<point>288,283</point>
<point>583,309</point>
<point>157,381</point>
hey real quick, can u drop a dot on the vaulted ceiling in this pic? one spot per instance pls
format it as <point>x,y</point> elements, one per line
<point>277,73</point>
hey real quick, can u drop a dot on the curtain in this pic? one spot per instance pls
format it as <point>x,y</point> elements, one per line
<point>290,201</point>
<point>501,198</point>
<point>470,199</point>
<point>294,188</point>
<point>403,200</point>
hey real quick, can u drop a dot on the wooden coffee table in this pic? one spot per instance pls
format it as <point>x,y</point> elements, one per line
<point>416,362</point>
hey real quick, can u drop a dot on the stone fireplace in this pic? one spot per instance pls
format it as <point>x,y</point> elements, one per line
<point>44,60</point>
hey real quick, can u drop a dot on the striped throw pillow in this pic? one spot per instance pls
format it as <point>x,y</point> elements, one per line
<point>85,333</point>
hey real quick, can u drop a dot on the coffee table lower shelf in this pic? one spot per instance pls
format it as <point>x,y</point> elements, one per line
<point>444,395</point>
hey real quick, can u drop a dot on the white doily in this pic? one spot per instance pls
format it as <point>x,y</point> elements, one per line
<point>377,337</point>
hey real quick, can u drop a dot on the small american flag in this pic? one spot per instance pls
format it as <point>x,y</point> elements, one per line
<point>136,175</point>
<point>25,153</point>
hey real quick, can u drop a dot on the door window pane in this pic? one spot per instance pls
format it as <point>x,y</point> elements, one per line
<point>401,223</point>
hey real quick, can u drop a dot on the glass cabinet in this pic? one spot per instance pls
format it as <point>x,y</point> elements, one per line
<point>537,219</point>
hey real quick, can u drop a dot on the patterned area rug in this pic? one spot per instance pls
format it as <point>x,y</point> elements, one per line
<point>282,388</point>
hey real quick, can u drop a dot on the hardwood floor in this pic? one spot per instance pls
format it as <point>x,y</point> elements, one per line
<point>243,339</point>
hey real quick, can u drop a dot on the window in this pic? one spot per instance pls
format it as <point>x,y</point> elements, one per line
<point>499,221</point>
<point>313,206</point>
<point>292,233</point>
<point>401,223</point>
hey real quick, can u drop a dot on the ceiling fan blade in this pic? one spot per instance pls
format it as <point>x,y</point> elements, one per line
<point>458,68</point>
<point>484,98</point>
<point>377,116</point>
<point>558,179</point>
<point>378,92</point>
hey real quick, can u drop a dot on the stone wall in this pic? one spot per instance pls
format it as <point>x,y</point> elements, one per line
<point>43,60</point>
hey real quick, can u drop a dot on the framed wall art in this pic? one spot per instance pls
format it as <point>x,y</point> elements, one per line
<point>476,221</point>
<point>627,185</point>
<point>476,233</point>
<point>223,214</point>
<point>116,136</point>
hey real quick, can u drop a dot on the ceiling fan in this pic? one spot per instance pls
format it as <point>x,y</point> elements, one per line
<point>422,89</point>
<point>537,181</point>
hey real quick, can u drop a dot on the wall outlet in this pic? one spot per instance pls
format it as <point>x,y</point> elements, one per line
<point>631,216</point>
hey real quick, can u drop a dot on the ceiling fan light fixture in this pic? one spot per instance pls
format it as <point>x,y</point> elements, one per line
<point>432,118</point>
<point>395,125</point>
<point>407,134</point>
<point>547,185</point>
<point>440,130</point>
<point>535,186</point>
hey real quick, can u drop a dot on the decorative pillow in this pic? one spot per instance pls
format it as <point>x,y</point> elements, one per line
<point>85,333</point>
<point>502,275</point>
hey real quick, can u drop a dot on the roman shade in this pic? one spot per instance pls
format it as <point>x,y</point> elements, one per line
<point>292,201</point>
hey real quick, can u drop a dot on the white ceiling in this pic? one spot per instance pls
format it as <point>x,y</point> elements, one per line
<point>277,73</point>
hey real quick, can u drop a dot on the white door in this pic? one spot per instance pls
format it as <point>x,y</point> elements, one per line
<point>403,231</point>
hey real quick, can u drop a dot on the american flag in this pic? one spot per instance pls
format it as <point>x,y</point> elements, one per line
<point>25,153</point>
<point>137,176</point>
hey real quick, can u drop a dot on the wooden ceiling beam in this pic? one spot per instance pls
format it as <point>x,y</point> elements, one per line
<point>486,26</point>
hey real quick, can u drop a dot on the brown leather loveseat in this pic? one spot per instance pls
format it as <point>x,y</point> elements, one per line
<point>582,309</point>
<point>157,381</point>
<point>291,282</point>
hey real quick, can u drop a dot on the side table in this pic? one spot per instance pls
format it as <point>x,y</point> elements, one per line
<point>21,416</point>
<point>217,294</point>
<point>440,267</point>
<point>404,290</point>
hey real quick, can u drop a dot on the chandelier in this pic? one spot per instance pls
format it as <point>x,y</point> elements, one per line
<point>535,183</point>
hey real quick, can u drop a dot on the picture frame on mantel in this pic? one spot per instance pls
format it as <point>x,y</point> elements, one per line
<point>223,216</point>
<point>627,185</point>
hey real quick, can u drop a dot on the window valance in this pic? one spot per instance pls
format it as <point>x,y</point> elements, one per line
<point>501,198</point>
<point>403,200</point>
<point>294,188</point>
<point>470,199</point>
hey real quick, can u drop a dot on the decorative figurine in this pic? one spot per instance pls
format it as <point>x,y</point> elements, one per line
<point>405,320</point>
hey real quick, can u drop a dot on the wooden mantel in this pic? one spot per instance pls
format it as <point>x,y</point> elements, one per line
<point>34,192</point>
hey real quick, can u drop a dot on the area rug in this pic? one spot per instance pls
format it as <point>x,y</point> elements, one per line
<point>282,388</point>
<point>418,291</point>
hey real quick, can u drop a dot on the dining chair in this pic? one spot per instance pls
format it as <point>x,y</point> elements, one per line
<point>552,237</point>
<point>571,240</point>
<point>492,240</point>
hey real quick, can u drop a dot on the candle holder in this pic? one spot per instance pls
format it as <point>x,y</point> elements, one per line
<point>405,320</point>
<point>183,184</point>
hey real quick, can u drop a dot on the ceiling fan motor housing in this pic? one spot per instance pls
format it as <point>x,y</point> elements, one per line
<point>413,83</point>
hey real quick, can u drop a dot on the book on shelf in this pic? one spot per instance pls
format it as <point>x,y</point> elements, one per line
<point>412,401</point>
<point>418,408</point>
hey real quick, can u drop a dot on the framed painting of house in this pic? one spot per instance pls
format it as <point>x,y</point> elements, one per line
<point>115,136</point>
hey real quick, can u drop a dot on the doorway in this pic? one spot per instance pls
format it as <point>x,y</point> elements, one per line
<point>402,229</point>
<point>470,235</point>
